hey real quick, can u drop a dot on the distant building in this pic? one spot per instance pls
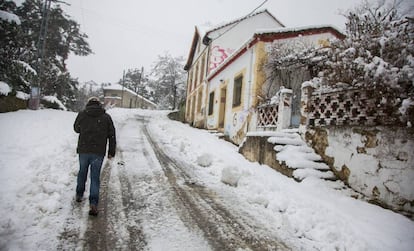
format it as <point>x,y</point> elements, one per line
<point>115,95</point>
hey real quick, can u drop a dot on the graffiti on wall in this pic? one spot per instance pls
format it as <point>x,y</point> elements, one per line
<point>218,55</point>
<point>211,122</point>
<point>240,122</point>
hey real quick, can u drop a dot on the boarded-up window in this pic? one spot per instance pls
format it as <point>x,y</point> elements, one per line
<point>211,103</point>
<point>237,91</point>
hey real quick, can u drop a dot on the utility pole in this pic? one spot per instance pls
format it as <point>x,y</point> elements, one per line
<point>137,89</point>
<point>123,84</point>
<point>41,47</point>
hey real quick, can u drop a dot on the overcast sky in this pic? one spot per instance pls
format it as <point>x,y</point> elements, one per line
<point>132,33</point>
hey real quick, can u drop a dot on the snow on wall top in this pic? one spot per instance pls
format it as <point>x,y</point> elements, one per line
<point>298,29</point>
<point>9,17</point>
<point>4,88</point>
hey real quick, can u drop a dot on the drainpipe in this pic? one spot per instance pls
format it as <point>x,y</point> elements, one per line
<point>207,85</point>
<point>186,96</point>
<point>250,90</point>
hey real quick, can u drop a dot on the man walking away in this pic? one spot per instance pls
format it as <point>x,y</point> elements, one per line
<point>95,128</point>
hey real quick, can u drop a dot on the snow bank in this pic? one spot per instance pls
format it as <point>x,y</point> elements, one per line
<point>311,215</point>
<point>38,167</point>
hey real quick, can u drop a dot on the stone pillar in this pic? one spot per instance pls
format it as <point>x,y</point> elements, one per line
<point>285,109</point>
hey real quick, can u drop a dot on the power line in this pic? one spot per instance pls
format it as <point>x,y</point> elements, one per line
<point>234,25</point>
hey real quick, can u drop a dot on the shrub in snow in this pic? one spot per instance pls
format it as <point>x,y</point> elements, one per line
<point>231,175</point>
<point>377,54</point>
<point>205,160</point>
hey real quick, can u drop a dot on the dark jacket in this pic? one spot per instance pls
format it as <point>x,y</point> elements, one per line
<point>95,127</point>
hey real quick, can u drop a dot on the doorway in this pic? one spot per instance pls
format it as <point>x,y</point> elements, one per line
<point>222,107</point>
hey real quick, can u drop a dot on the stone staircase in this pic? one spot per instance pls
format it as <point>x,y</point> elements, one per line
<point>293,153</point>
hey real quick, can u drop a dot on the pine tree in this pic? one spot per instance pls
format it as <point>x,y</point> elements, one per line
<point>20,49</point>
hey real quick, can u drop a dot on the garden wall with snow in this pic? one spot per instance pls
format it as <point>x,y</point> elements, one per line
<point>364,141</point>
<point>347,134</point>
<point>377,162</point>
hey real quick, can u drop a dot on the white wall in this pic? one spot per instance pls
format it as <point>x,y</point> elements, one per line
<point>223,46</point>
<point>233,120</point>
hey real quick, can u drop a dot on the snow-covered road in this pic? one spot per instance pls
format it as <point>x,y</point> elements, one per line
<point>164,190</point>
<point>150,201</point>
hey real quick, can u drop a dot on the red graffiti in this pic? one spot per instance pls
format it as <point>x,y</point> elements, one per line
<point>218,55</point>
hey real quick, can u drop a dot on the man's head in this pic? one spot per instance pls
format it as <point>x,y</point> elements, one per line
<point>93,101</point>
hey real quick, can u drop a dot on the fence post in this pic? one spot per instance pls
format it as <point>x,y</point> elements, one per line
<point>304,109</point>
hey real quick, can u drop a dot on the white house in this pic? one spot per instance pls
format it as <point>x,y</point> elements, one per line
<point>209,49</point>
<point>235,85</point>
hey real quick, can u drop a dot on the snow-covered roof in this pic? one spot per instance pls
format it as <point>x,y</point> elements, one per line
<point>271,35</point>
<point>202,31</point>
<point>118,87</point>
<point>298,29</point>
<point>206,38</point>
<point>204,28</point>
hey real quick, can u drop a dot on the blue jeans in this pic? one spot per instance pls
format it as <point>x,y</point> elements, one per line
<point>95,162</point>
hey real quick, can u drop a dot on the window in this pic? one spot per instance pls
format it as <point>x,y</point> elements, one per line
<point>237,91</point>
<point>190,82</point>
<point>202,68</point>
<point>196,76</point>
<point>199,100</point>
<point>211,104</point>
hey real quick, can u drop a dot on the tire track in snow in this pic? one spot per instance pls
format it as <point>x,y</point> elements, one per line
<point>223,230</point>
<point>131,206</point>
<point>82,231</point>
<point>97,234</point>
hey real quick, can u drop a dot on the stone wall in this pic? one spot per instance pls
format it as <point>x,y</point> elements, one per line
<point>257,149</point>
<point>375,161</point>
<point>11,103</point>
<point>363,143</point>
